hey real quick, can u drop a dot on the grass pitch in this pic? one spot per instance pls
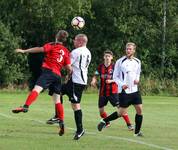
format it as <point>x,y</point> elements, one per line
<point>29,131</point>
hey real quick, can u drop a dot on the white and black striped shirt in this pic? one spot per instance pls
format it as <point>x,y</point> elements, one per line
<point>80,60</point>
<point>125,72</point>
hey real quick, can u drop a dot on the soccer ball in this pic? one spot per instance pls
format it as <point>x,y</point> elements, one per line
<point>78,22</point>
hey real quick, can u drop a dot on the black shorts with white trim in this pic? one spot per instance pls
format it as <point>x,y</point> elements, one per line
<point>73,91</point>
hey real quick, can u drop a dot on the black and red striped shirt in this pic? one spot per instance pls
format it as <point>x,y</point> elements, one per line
<point>106,73</point>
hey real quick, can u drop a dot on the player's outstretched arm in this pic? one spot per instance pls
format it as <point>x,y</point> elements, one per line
<point>30,50</point>
<point>19,51</point>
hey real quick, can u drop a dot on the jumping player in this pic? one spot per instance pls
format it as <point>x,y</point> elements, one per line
<point>56,57</point>
<point>80,60</point>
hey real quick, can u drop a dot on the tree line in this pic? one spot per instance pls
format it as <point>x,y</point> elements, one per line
<point>110,24</point>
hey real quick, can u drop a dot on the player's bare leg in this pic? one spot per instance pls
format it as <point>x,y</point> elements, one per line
<point>124,114</point>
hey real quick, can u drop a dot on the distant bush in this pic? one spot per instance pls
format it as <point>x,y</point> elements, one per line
<point>12,66</point>
<point>109,25</point>
<point>156,86</point>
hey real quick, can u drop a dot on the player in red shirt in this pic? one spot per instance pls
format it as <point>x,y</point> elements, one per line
<point>56,57</point>
<point>108,91</point>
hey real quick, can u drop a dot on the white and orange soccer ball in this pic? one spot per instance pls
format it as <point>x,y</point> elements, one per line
<point>78,22</point>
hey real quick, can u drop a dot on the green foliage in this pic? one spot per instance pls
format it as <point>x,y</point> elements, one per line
<point>152,85</point>
<point>11,66</point>
<point>117,22</point>
<point>110,24</point>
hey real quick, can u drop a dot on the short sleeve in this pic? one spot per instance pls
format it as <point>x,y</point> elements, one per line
<point>47,47</point>
<point>96,73</point>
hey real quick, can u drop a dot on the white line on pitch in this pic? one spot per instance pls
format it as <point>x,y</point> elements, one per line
<point>94,133</point>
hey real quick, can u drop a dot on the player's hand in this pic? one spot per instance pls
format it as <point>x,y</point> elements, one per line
<point>136,81</point>
<point>93,83</point>
<point>67,78</point>
<point>108,81</point>
<point>19,51</point>
<point>124,87</point>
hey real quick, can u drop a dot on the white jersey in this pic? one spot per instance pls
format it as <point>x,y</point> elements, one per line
<point>80,60</point>
<point>125,72</point>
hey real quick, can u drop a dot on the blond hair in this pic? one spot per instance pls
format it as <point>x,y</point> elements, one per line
<point>131,43</point>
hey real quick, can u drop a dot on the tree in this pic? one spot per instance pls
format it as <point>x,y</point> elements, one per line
<point>110,24</point>
<point>12,67</point>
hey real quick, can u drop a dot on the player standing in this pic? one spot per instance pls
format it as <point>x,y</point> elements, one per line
<point>56,57</point>
<point>108,91</point>
<point>126,75</point>
<point>80,60</point>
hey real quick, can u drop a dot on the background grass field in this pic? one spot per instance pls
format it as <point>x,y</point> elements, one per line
<point>30,132</point>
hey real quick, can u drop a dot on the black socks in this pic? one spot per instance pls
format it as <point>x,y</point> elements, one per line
<point>111,117</point>
<point>138,123</point>
<point>78,120</point>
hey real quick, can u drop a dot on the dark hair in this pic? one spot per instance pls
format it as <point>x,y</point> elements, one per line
<point>62,36</point>
<point>108,52</point>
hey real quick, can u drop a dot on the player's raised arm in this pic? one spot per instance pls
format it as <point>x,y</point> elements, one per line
<point>30,50</point>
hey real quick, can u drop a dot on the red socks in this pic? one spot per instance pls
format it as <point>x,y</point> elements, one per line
<point>60,111</point>
<point>31,98</point>
<point>103,115</point>
<point>126,118</point>
<point>59,107</point>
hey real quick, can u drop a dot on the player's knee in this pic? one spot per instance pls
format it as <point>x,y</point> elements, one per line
<point>57,101</point>
<point>139,110</point>
<point>121,113</point>
<point>101,110</point>
<point>75,106</point>
<point>37,88</point>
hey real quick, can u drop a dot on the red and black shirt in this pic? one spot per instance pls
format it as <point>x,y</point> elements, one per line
<point>106,73</point>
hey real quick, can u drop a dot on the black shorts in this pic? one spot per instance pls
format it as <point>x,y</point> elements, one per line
<point>73,91</point>
<point>113,99</point>
<point>127,99</point>
<point>49,80</point>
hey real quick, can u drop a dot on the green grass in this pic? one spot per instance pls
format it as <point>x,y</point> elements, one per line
<point>29,131</point>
